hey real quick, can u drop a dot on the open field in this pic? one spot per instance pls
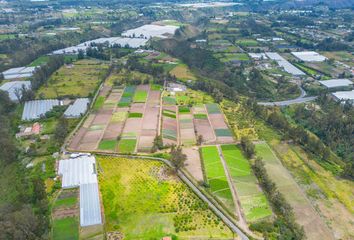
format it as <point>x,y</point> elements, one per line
<point>253,201</point>
<point>216,177</point>
<point>217,121</point>
<point>182,72</point>
<point>142,202</point>
<point>305,214</point>
<point>80,80</point>
<point>66,229</point>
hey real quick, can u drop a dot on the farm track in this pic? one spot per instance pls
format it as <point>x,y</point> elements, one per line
<point>184,177</point>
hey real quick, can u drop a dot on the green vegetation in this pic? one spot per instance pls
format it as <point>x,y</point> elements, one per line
<point>216,177</point>
<point>183,109</point>
<point>66,229</point>
<point>107,145</point>
<point>169,113</point>
<point>247,42</point>
<point>99,102</point>
<point>127,145</point>
<point>224,132</point>
<point>80,80</point>
<point>140,96</point>
<point>39,61</point>
<point>200,116</point>
<point>119,116</point>
<point>169,134</point>
<point>135,115</point>
<point>137,192</point>
<point>253,201</point>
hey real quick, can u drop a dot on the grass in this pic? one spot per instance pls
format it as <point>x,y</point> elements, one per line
<point>107,145</point>
<point>39,61</point>
<point>216,177</point>
<point>140,96</point>
<point>141,205</point>
<point>182,72</point>
<point>135,115</point>
<point>168,113</point>
<point>169,100</point>
<point>253,201</point>
<point>66,202</point>
<point>99,102</point>
<point>127,145</point>
<point>66,229</point>
<point>247,42</point>
<point>80,81</point>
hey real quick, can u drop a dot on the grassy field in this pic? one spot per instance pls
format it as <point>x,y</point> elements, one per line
<point>140,96</point>
<point>66,229</point>
<point>216,177</point>
<point>39,61</point>
<point>182,72</point>
<point>125,75</point>
<point>135,115</point>
<point>127,145</point>
<point>247,42</point>
<point>109,145</point>
<point>142,202</point>
<point>253,201</point>
<point>99,102</point>
<point>80,80</point>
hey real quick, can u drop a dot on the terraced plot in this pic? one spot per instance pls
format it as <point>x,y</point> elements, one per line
<point>169,125</point>
<point>253,202</point>
<point>186,126</point>
<point>216,177</point>
<point>142,202</point>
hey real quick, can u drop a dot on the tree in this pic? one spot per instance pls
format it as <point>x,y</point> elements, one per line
<point>200,140</point>
<point>157,144</point>
<point>81,54</point>
<point>61,130</point>
<point>247,147</point>
<point>177,157</point>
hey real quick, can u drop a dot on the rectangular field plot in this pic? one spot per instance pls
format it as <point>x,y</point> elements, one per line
<point>169,125</point>
<point>140,96</point>
<point>127,96</point>
<point>216,177</point>
<point>212,108</point>
<point>127,145</point>
<point>253,201</point>
<point>217,121</point>
<point>109,145</point>
<point>202,124</point>
<point>186,129</point>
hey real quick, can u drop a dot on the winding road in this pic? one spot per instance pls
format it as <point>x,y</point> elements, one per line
<point>300,99</point>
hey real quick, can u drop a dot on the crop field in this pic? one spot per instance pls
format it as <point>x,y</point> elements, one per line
<point>140,96</point>
<point>186,128</point>
<point>228,57</point>
<point>216,177</point>
<point>127,145</point>
<point>169,125</point>
<point>305,215</point>
<point>247,42</point>
<point>202,124</point>
<point>216,117</point>
<point>253,201</point>
<point>127,97</point>
<point>79,80</point>
<point>142,202</point>
<point>65,216</point>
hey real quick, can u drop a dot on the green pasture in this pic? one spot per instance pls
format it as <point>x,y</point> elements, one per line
<point>109,145</point>
<point>135,115</point>
<point>66,229</point>
<point>99,102</point>
<point>215,174</point>
<point>253,201</point>
<point>140,96</point>
<point>127,145</point>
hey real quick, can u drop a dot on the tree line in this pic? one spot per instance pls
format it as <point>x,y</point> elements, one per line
<point>24,211</point>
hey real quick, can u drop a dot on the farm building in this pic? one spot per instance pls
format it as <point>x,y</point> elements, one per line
<point>20,72</point>
<point>309,56</point>
<point>336,83</point>
<point>282,62</point>
<point>38,108</point>
<point>175,87</point>
<point>149,30</point>
<point>80,171</point>
<point>130,42</point>
<point>258,56</point>
<point>78,108</point>
<point>35,129</point>
<point>14,88</point>
<point>343,96</point>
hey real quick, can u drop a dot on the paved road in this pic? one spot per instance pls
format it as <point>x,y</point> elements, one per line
<point>300,99</point>
<point>200,194</point>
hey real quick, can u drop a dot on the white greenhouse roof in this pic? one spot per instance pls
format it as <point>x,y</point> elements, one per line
<point>76,171</point>
<point>151,30</point>
<point>37,108</point>
<point>80,171</point>
<point>309,56</point>
<point>282,62</point>
<point>78,108</point>
<point>344,95</point>
<point>122,41</point>
<point>258,55</point>
<point>19,72</point>
<point>333,83</point>
<point>11,87</point>
<point>90,210</point>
